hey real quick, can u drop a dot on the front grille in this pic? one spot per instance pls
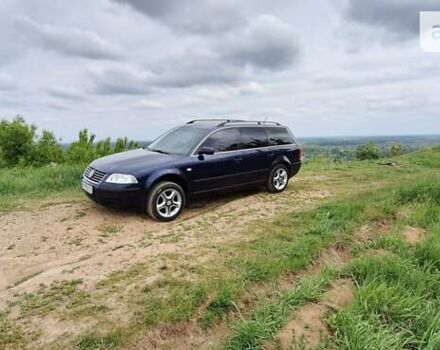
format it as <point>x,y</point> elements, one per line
<point>94,175</point>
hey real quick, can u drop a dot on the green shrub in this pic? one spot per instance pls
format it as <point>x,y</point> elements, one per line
<point>86,149</point>
<point>396,149</point>
<point>367,151</point>
<point>17,141</point>
<point>46,150</point>
<point>21,146</point>
<point>83,150</point>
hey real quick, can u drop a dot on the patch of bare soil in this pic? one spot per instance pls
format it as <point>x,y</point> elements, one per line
<point>85,241</point>
<point>183,336</point>
<point>308,329</point>
<point>413,235</point>
<point>193,337</point>
<point>333,257</point>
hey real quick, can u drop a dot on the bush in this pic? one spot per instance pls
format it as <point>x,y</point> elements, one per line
<point>85,149</point>
<point>396,150</point>
<point>17,141</point>
<point>21,146</point>
<point>47,150</point>
<point>82,151</point>
<point>367,151</point>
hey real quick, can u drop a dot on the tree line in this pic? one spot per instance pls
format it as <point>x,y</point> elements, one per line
<point>21,145</point>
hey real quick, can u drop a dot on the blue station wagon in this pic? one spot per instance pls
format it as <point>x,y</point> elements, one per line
<point>200,157</point>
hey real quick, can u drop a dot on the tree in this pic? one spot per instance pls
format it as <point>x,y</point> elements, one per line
<point>123,144</point>
<point>82,151</point>
<point>367,151</point>
<point>16,141</point>
<point>396,149</point>
<point>103,148</point>
<point>2,158</point>
<point>47,150</point>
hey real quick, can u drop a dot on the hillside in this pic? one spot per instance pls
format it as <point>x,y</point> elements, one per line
<point>347,257</point>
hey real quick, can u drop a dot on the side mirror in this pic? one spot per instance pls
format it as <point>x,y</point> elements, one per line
<point>206,150</point>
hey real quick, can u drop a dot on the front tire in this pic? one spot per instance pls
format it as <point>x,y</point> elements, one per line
<point>278,179</point>
<point>165,201</point>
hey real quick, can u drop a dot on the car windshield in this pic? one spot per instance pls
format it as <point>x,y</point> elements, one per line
<point>180,141</point>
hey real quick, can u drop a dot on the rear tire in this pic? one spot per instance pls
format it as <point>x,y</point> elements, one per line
<point>278,179</point>
<point>165,201</point>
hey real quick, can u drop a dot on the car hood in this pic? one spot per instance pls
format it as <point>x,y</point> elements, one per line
<point>137,162</point>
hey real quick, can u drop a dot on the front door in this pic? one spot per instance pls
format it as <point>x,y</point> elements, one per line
<point>220,170</point>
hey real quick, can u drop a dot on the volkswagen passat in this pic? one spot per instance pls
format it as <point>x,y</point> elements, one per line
<point>202,156</point>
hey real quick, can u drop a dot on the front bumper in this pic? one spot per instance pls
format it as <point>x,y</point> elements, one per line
<point>114,194</point>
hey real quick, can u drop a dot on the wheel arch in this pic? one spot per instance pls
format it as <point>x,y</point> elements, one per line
<point>173,175</point>
<point>282,159</point>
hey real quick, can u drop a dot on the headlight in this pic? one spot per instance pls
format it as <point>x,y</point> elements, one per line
<point>121,179</point>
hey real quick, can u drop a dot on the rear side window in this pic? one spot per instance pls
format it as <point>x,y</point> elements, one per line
<point>279,136</point>
<point>223,140</point>
<point>252,138</point>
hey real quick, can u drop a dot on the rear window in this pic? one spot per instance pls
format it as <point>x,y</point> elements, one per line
<point>279,136</point>
<point>252,138</point>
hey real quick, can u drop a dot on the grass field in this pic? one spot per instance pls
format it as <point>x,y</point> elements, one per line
<point>19,185</point>
<point>372,231</point>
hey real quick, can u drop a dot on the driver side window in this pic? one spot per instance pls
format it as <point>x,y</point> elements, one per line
<point>223,140</point>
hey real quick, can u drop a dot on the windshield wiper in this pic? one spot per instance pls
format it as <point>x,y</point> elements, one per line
<point>159,151</point>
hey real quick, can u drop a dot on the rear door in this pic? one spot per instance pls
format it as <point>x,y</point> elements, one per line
<point>221,169</point>
<point>255,164</point>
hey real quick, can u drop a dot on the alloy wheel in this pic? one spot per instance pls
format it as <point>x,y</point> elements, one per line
<point>169,202</point>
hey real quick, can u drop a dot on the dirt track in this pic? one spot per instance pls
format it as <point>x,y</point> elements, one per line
<point>82,240</point>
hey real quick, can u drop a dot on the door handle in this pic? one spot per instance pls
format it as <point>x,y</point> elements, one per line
<point>238,160</point>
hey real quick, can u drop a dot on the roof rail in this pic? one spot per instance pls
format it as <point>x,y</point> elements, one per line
<point>221,121</point>
<point>258,122</point>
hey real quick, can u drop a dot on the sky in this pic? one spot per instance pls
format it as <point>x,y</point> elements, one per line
<point>136,68</point>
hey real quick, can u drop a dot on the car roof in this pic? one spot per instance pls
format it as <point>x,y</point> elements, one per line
<point>213,124</point>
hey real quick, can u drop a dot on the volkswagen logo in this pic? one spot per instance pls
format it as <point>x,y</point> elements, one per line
<point>91,173</point>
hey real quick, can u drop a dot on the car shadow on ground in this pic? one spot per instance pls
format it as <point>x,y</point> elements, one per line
<point>199,204</point>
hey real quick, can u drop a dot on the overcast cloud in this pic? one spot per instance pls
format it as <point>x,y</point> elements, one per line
<point>138,67</point>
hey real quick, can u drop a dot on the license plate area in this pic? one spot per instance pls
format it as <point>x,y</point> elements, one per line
<point>87,188</point>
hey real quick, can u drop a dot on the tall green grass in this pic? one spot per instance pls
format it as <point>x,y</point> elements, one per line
<point>18,184</point>
<point>397,304</point>
<point>398,301</point>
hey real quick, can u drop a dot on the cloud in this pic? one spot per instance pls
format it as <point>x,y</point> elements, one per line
<point>195,16</point>
<point>192,67</point>
<point>57,105</point>
<point>266,43</point>
<point>150,104</point>
<point>68,41</point>
<point>66,92</point>
<point>7,82</point>
<point>182,70</point>
<point>401,17</point>
<point>120,80</point>
<point>227,93</point>
<point>158,63</point>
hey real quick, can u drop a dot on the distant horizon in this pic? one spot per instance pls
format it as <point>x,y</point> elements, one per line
<point>339,137</point>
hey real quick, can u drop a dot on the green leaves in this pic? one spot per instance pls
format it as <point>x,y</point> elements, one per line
<point>20,145</point>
